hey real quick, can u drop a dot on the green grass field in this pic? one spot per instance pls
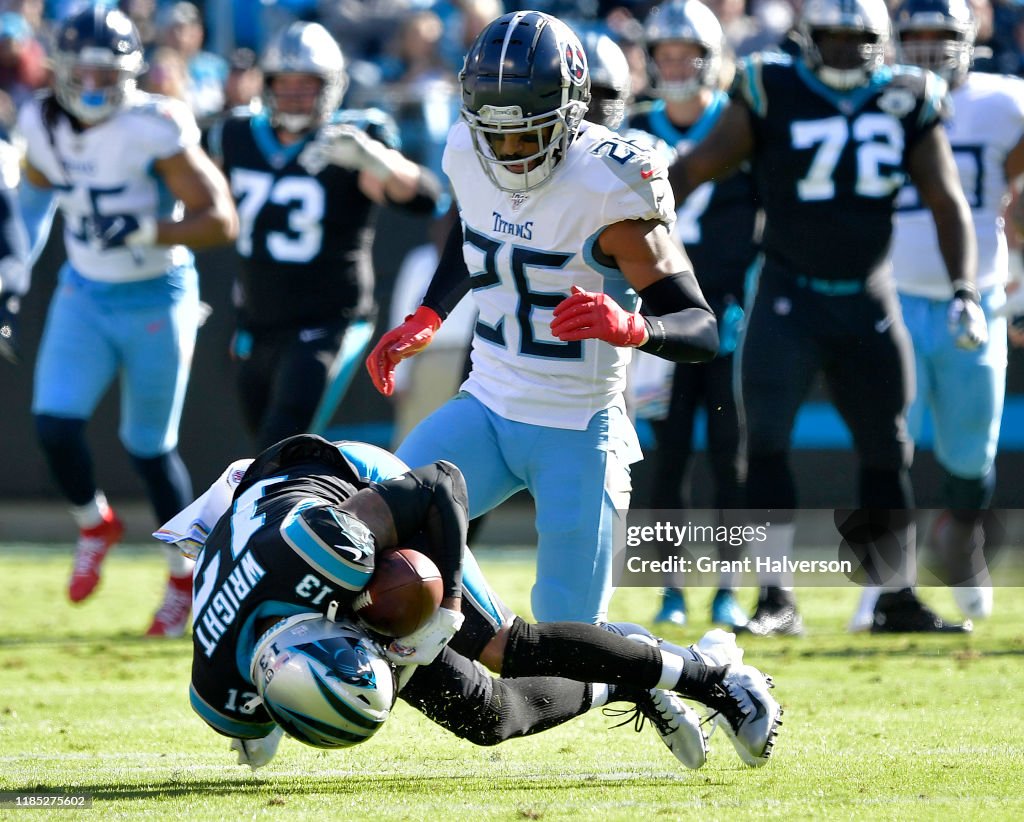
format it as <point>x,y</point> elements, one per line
<point>875,727</point>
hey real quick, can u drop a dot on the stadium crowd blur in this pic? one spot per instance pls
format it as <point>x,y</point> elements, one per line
<point>403,56</point>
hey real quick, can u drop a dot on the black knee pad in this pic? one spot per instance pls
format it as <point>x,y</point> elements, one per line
<point>59,433</point>
<point>967,497</point>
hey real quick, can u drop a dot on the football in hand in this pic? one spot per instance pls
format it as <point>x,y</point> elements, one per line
<point>403,593</point>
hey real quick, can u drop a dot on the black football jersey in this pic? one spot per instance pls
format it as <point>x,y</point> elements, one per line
<point>261,561</point>
<point>305,241</point>
<point>829,164</point>
<point>718,222</point>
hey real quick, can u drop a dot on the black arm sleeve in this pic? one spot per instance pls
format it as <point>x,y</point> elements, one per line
<point>428,193</point>
<point>450,282</point>
<point>681,325</point>
<point>432,500</point>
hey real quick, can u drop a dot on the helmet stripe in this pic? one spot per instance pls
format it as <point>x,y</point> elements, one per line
<point>504,46</point>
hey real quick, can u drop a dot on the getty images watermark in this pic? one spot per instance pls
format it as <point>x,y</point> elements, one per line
<point>829,547</point>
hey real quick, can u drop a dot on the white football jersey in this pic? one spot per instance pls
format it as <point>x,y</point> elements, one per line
<point>987,122</point>
<point>525,252</point>
<point>107,170</point>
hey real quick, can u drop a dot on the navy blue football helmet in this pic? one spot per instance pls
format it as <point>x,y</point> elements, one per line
<point>948,48</point>
<point>97,59</point>
<point>610,80</point>
<point>526,74</point>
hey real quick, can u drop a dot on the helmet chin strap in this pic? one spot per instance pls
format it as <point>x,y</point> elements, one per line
<point>295,123</point>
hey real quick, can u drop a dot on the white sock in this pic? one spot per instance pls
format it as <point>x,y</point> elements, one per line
<point>671,670</point>
<point>92,513</point>
<point>778,546</point>
<point>598,695</point>
<point>177,563</point>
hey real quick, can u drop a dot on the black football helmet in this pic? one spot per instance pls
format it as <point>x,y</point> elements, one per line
<point>96,38</point>
<point>950,53</point>
<point>844,41</point>
<point>685,21</point>
<point>526,74</point>
<point>610,80</point>
<point>304,48</point>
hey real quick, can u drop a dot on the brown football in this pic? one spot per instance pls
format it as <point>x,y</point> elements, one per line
<point>403,593</point>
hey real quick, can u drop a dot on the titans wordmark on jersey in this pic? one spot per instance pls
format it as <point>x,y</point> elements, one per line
<point>828,164</point>
<point>305,240</point>
<point>525,253</point>
<point>106,170</point>
<point>987,122</point>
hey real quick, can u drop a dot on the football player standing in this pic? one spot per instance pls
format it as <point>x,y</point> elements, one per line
<point>309,181</point>
<point>565,228</point>
<point>137,193</point>
<point>832,135</point>
<point>963,388</point>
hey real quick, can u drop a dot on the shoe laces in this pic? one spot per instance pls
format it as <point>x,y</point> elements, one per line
<point>732,701</point>
<point>88,552</point>
<point>645,708</point>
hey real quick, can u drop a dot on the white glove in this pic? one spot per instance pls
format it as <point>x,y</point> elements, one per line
<point>967,322</point>
<point>422,646</point>
<point>347,147</point>
<point>257,752</point>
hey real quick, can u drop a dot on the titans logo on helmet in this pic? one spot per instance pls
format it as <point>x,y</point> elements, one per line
<point>576,62</point>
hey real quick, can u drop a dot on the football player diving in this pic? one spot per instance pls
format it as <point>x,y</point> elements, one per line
<point>286,542</point>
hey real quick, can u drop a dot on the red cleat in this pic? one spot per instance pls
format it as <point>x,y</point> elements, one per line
<point>172,618</point>
<point>93,544</point>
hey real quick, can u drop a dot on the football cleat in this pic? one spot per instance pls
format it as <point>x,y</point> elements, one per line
<point>725,610</point>
<point>678,725</point>
<point>673,607</point>
<point>93,545</point>
<point>776,615</point>
<point>864,616</point>
<point>901,612</point>
<point>749,715</point>
<point>172,617</point>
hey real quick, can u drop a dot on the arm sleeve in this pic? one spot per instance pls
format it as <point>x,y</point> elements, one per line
<point>680,323</point>
<point>450,282</point>
<point>432,500</point>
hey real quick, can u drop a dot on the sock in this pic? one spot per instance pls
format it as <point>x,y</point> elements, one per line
<point>177,563</point>
<point>600,695</point>
<point>94,512</point>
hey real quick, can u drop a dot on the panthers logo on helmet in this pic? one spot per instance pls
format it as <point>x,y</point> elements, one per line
<point>576,62</point>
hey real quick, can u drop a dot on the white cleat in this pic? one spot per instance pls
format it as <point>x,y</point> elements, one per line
<point>747,712</point>
<point>678,725</point>
<point>719,647</point>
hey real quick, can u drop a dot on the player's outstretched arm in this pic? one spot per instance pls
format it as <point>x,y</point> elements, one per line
<point>210,217</point>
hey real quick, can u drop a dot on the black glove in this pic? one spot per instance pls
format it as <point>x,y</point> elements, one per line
<point>10,305</point>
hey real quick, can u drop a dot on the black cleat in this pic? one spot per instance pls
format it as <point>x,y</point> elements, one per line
<point>776,615</point>
<point>901,612</point>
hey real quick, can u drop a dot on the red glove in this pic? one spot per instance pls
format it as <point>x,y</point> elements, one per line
<point>588,316</point>
<point>407,340</point>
